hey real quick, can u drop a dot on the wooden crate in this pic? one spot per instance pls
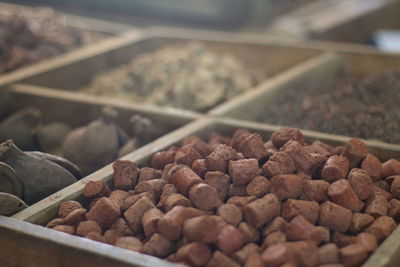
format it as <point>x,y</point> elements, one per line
<point>27,244</point>
<point>75,73</point>
<point>50,88</point>
<point>387,254</point>
<point>252,105</point>
<point>271,55</point>
<point>94,25</point>
<point>77,111</point>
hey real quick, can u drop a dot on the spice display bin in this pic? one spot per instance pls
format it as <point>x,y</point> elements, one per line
<point>43,211</point>
<point>110,29</point>
<point>77,111</point>
<point>273,56</point>
<point>50,86</point>
<point>326,66</point>
<point>269,59</point>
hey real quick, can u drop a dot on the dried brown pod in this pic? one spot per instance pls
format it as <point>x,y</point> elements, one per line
<point>142,130</point>
<point>35,177</point>
<point>7,103</point>
<point>10,204</point>
<point>66,164</point>
<point>129,147</point>
<point>51,137</point>
<point>97,144</point>
<point>21,127</point>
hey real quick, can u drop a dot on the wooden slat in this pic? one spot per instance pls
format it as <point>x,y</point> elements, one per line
<point>98,24</point>
<point>258,38</point>
<point>79,109</point>
<point>388,253</point>
<point>25,244</point>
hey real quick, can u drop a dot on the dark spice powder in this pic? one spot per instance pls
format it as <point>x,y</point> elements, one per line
<point>367,108</point>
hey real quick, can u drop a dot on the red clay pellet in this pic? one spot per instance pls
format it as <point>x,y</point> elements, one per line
<point>245,201</point>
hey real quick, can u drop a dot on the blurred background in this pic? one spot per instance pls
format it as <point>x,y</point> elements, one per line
<point>373,22</point>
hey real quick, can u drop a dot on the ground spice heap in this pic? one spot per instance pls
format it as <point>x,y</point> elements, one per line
<point>366,108</point>
<point>29,34</point>
<point>182,76</point>
<point>242,202</point>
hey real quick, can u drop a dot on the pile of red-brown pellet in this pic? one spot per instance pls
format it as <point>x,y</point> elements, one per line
<point>241,201</point>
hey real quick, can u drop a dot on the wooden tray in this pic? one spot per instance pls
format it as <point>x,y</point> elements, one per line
<point>286,61</point>
<point>95,25</point>
<point>77,111</point>
<point>271,55</point>
<point>387,254</point>
<point>252,105</point>
<point>27,244</point>
<point>76,72</point>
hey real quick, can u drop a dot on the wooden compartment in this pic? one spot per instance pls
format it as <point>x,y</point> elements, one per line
<point>76,72</point>
<point>76,111</point>
<point>109,29</point>
<point>27,244</point>
<point>329,65</point>
<point>387,254</point>
<point>287,63</point>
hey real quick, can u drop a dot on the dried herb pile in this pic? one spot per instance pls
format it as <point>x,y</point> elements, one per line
<point>181,76</point>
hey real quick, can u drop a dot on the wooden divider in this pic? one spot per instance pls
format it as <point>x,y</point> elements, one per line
<point>25,244</point>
